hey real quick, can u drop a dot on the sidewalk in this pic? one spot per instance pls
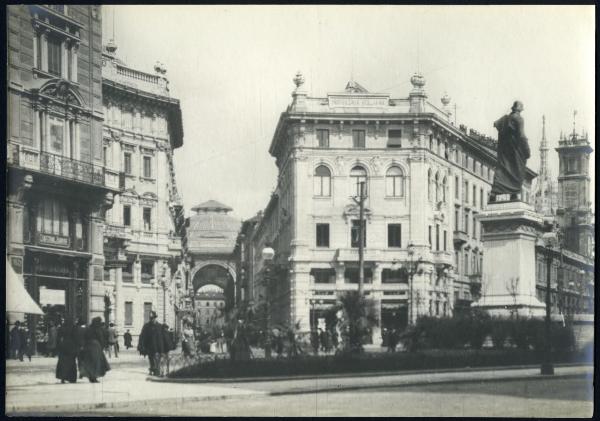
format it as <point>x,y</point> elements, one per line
<point>127,384</point>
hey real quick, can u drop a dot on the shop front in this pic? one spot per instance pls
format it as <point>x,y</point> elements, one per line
<point>58,283</point>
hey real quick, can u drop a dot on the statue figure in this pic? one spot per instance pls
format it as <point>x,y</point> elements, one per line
<point>513,152</point>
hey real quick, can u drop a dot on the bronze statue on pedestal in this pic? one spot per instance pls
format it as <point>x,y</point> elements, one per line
<point>513,153</point>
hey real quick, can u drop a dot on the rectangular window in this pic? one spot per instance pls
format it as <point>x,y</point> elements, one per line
<point>358,138</point>
<point>147,167</point>
<point>128,313</point>
<point>147,310</point>
<point>394,235</point>
<point>456,220</point>
<point>481,199</point>
<point>53,218</point>
<point>323,138</point>
<point>466,265</point>
<point>127,163</point>
<point>322,235</point>
<point>54,56</point>
<point>474,197</point>
<point>466,223</point>
<point>105,155</point>
<point>394,139</point>
<point>56,143</point>
<point>466,192</point>
<point>147,271</point>
<point>354,233</point>
<point>127,272</point>
<point>430,242</point>
<point>127,215</point>
<point>147,219</point>
<point>456,187</point>
<point>445,240</point>
<point>474,225</point>
<point>437,237</point>
<point>323,276</point>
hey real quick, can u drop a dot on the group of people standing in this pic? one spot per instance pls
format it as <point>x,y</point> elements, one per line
<point>20,342</point>
<point>323,340</point>
<point>83,347</point>
<point>155,342</point>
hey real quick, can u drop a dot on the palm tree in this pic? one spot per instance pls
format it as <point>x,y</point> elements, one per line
<point>359,315</point>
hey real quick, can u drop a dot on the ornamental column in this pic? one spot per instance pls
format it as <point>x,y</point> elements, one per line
<point>299,295</point>
<point>15,219</point>
<point>96,266</point>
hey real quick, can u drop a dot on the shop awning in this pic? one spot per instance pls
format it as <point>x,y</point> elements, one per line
<point>18,299</point>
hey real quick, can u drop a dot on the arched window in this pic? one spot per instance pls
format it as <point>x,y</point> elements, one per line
<point>444,187</point>
<point>430,185</point>
<point>438,195</point>
<point>394,182</point>
<point>322,181</point>
<point>358,175</point>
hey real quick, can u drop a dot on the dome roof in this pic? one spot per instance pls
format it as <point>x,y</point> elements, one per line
<point>211,230</point>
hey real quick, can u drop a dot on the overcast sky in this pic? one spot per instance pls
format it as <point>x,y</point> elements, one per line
<point>232,69</point>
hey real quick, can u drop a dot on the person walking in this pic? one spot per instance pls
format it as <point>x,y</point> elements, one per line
<point>112,340</point>
<point>168,345</point>
<point>68,349</point>
<point>52,339</point>
<point>93,362</point>
<point>15,340</point>
<point>26,342</point>
<point>187,343</point>
<point>127,339</point>
<point>393,340</point>
<point>151,344</point>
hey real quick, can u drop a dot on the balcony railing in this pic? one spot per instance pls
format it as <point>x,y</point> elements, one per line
<point>136,74</point>
<point>117,231</point>
<point>65,167</point>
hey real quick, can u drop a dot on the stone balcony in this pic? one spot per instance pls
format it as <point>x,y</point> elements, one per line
<point>64,167</point>
<point>147,82</point>
<point>460,238</point>
<point>117,231</point>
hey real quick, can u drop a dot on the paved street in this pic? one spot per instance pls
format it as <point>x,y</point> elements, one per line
<point>570,397</point>
<point>125,390</point>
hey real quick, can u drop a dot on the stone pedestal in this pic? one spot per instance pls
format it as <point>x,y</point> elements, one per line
<point>508,285</point>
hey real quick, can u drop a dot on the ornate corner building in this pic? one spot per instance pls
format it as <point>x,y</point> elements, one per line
<point>59,188</point>
<point>572,266</point>
<point>142,128</point>
<point>426,180</point>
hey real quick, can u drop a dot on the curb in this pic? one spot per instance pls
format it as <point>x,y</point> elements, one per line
<point>346,375</point>
<point>20,411</point>
<point>301,390</point>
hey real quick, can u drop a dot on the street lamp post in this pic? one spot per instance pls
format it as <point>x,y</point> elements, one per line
<point>413,267</point>
<point>268,253</point>
<point>164,288</point>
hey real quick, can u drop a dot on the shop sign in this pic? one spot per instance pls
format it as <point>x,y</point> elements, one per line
<point>53,240</point>
<point>55,267</point>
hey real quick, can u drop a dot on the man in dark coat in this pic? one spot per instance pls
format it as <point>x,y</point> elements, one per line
<point>151,343</point>
<point>93,363</point>
<point>513,153</point>
<point>127,339</point>
<point>52,339</point>
<point>15,340</point>
<point>68,349</point>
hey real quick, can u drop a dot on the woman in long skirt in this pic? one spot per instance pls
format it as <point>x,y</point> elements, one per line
<point>93,363</point>
<point>66,368</point>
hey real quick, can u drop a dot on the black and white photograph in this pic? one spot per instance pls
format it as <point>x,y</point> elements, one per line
<point>300,210</point>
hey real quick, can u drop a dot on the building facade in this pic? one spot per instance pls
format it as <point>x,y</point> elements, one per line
<point>58,186</point>
<point>209,307</point>
<point>426,181</point>
<point>209,242</point>
<point>572,262</point>
<point>142,128</point>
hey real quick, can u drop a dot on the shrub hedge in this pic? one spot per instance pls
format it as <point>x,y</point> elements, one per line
<point>472,330</point>
<point>360,363</point>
